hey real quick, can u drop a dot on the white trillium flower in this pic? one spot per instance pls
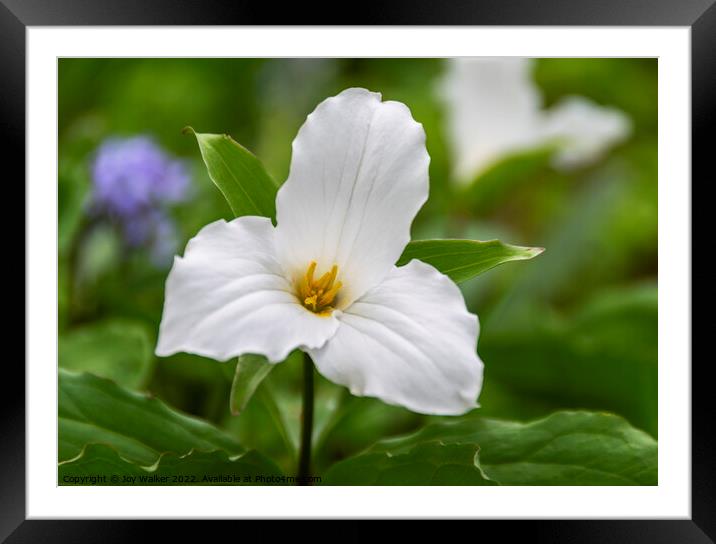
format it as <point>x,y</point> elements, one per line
<point>324,279</point>
<point>494,109</point>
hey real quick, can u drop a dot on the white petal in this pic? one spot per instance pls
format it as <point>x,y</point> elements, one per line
<point>493,109</point>
<point>227,296</point>
<point>409,341</point>
<point>584,130</point>
<point>359,174</point>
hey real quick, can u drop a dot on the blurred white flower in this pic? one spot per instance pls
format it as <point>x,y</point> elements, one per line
<point>583,130</point>
<point>324,279</point>
<point>494,109</point>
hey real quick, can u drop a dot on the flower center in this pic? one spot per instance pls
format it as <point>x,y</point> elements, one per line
<point>317,295</point>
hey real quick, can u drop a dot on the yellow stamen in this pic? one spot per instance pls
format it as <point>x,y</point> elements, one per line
<point>328,278</point>
<point>319,295</point>
<point>310,302</point>
<point>309,273</point>
<point>329,295</point>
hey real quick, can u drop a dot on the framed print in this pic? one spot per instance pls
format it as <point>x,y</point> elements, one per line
<point>381,271</point>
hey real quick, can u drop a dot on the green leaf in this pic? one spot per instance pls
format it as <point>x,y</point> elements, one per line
<point>464,259</point>
<point>603,356</point>
<point>116,349</point>
<point>431,463</point>
<point>140,428</point>
<point>238,174</point>
<point>98,464</point>
<point>566,448</point>
<point>250,372</point>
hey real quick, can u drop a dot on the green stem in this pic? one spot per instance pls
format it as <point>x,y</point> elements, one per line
<point>304,459</point>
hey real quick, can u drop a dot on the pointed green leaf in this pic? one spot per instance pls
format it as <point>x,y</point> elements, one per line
<point>98,464</point>
<point>140,428</point>
<point>250,372</point>
<point>566,448</point>
<point>464,259</point>
<point>238,174</point>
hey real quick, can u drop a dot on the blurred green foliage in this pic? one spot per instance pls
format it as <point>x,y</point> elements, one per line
<point>574,329</point>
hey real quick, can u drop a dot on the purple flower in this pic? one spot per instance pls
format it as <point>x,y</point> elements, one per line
<point>154,230</point>
<point>133,174</point>
<point>133,180</point>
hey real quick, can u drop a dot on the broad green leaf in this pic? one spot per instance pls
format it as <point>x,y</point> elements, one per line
<point>565,448</point>
<point>98,464</point>
<point>429,463</point>
<point>464,259</point>
<point>250,372</point>
<point>238,174</point>
<point>118,350</point>
<point>140,428</point>
<point>603,356</point>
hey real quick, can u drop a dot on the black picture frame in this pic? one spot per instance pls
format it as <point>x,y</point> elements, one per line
<point>699,15</point>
